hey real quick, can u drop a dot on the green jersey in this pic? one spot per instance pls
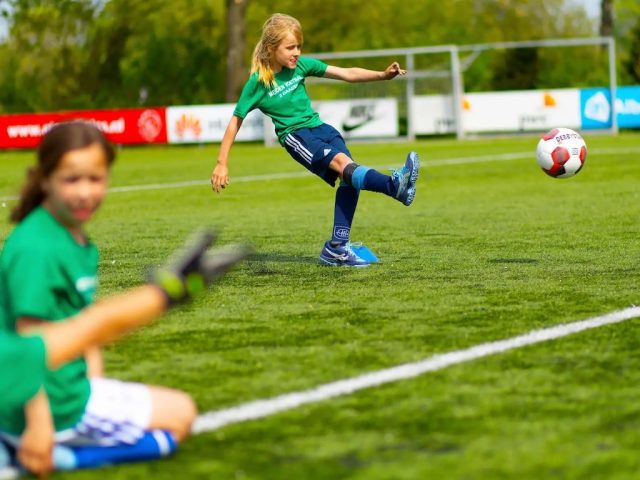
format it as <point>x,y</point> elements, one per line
<point>287,104</point>
<point>23,369</point>
<point>46,274</point>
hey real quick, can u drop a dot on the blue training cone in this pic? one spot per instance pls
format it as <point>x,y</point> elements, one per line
<point>364,253</point>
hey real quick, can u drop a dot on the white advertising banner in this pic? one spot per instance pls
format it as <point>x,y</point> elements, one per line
<point>514,111</point>
<point>362,118</point>
<point>358,118</point>
<point>207,123</point>
<point>433,114</point>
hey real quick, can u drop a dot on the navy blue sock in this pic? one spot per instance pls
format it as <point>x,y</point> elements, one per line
<point>345,209</point>
<point>365,178</point>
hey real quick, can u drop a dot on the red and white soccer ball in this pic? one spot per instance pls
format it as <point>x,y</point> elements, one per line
<point>561,153</point>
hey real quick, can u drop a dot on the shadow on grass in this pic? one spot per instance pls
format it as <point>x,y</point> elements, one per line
<point>513,260</point>
<point>275,257</point>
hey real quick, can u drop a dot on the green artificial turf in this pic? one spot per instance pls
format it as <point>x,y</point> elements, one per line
<point>491,248</point>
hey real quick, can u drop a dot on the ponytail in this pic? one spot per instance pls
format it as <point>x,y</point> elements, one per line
<point>260,62</point>
<point>31,195</point>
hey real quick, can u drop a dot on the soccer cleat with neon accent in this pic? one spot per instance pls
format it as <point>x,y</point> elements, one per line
<point>341,256</point>
<point>405,179</point>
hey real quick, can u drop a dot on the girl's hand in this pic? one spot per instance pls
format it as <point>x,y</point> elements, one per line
<point>393,71</point>
<point>219,177</point>
<point>36,447</point>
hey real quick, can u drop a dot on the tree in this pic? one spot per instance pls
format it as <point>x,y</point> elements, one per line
<point>516,70</point>
<point>606,18</point>
<point>63,54</point>
<point>236,44</point>
<point>45,54</point>
<point>632,63</point>
<point>173,54</point>
<point>75,54</point>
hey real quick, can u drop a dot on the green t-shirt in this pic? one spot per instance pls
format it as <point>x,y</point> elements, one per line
<point>46,274</point>
<point>287,104</point>
<point>23,366</point>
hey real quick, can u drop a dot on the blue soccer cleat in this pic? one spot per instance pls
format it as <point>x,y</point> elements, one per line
<point>341,256</point>
<point>405,179</point>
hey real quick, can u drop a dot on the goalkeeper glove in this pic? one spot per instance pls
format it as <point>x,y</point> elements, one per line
<point>190,268</point>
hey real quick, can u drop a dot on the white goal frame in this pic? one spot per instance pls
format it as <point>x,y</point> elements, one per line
<point>458,67</point>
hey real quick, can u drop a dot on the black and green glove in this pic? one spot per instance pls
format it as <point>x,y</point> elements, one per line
<point>191,268</point>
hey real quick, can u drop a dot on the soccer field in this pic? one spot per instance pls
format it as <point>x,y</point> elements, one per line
<point>491,249</point>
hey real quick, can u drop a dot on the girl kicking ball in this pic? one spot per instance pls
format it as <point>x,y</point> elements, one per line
<point>276,87</point>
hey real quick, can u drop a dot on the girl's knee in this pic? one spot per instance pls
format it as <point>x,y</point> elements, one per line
<point>339,162</point>
<point>173,410</point>
<point>186,413</point>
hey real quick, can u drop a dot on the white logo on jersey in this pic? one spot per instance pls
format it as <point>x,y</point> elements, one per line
<point>84,284</point>
<point>287,86</point>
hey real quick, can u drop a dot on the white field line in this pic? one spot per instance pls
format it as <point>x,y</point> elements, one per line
<point>263,408</point>
<point>286,175</point>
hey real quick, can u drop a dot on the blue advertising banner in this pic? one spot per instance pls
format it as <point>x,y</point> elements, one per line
<point>628,107</point>
<point>595,106</point>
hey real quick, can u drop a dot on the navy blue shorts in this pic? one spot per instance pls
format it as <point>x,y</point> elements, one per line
<point>314,148</point>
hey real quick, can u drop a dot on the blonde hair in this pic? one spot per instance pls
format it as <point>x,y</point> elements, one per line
<point>274,30</point>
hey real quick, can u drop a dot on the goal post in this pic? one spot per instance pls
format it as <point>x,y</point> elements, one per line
<point>439,94</point>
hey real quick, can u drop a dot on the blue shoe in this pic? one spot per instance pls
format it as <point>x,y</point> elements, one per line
<point>341,256</point>
<point>405,179</point>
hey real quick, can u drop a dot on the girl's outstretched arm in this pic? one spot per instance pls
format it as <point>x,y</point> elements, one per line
<point>102,322</point>
<point>356,74</point>
<point>186,274</point>
<point>220,174</point>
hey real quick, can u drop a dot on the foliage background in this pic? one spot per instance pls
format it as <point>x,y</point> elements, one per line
<point>73,54</point>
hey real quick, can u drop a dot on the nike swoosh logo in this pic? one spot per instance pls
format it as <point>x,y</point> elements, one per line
<point>338,256</point>
<point>347,127</point>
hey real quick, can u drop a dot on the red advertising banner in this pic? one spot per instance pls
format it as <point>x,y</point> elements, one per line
<point>122,126</point>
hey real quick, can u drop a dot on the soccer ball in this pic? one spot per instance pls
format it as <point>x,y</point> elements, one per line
<point>561,153</point>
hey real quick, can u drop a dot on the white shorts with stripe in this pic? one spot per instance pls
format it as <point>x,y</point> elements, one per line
<point>117,413</point>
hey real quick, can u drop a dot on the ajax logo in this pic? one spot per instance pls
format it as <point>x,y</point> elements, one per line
<point>597,108</point>
<point>341,232</point>
<point>150,125</point>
